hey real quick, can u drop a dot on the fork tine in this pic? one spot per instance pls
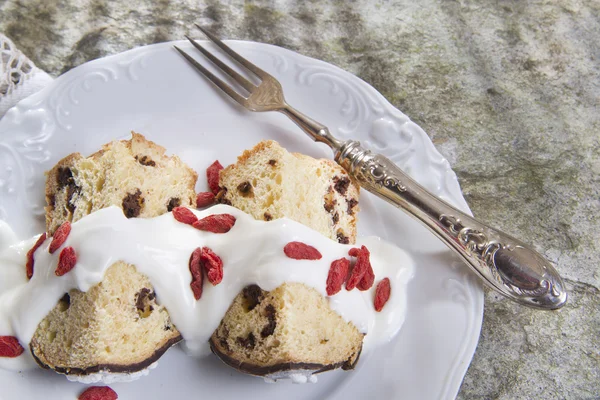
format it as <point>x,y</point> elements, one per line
<point>249,86</point>
<point>222,85</point>
<point>257,71</point>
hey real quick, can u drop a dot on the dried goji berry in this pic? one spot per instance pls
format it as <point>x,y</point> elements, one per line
<point>301,251</point>
<point>354,252</point>
<point>338,271</point>
<point>29,265</point>
<point>216,223</point>
<point>213,265</point>
<point>10,347</point>
<point>369,277</point>
<point>196,271</point>
<point>367,280</point>
<point>212,175</point>
<point>98,393</point>
<point>66,261</point>
<point>184,215</point>
<point>382,293</point>
<point>59,237</point>
<point>205,199</point>
<point>360,267</point>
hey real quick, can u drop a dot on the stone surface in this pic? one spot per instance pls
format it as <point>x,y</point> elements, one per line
<point>508,91</point>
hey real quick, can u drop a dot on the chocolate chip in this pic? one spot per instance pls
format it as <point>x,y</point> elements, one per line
<point>267,216</point>
<point>220,198</point>
<point>141,297</point>
<point>65,302</point>
<point>342,238</point>
<point>351,204</point>
<point>245,189</point>
<point>142,302</point>
<point>272,163</point>
<point>248,342</point>
<point>341,184</point>
<point>145,160</point>
<point>132,204</point>
<point>51,199</point>
<point>224,344</point>
<point>270,327</point>
<point>71,190</point>
<point>253,295</point>
<point>335,218</point>
<point>173,202</point>
<point>330,200</point>
<point>64,177</point>
<point>329,206</point>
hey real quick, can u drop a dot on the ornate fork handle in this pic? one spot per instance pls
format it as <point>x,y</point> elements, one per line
<point>502,261</point>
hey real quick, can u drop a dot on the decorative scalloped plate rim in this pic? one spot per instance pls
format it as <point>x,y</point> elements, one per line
<point>151,90</point>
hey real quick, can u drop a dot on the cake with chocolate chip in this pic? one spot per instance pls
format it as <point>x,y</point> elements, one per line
<point>288,332</point>
<point>134,174</point>
<point>109,333</point>
<point>119,325</point>
<point>268,182</point>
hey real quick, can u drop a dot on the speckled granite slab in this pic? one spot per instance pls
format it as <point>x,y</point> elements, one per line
<point>509,91</point>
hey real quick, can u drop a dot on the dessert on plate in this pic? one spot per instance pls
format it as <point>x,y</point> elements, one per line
<point>270,280</point>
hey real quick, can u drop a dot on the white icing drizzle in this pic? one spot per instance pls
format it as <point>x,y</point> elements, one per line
<point>160,248</point>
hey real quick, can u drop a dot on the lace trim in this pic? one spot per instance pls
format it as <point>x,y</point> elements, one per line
<point>15,67</point>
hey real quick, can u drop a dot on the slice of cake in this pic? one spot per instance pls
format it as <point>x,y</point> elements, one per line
<point>115,327</point>
<point>289,332</point>
<point>268,182</point>
<point>118,326</point>
<point>132,174</point>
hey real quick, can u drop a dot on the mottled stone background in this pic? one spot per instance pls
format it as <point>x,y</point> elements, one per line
<point>507,90</point>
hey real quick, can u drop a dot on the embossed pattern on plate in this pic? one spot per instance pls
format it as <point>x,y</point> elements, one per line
<point>151,90</point>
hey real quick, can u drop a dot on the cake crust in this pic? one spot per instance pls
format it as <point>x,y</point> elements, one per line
<point>258,370</point>
<point>112,368</point>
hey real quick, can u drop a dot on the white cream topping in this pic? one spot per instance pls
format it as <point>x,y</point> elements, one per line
<point>160,248</point>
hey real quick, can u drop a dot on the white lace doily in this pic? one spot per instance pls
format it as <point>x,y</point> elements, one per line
<point>19,77</point>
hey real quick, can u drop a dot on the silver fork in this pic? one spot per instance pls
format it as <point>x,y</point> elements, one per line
<point>503,262</point>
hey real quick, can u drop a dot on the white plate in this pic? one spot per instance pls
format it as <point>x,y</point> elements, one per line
<point>153,91</point>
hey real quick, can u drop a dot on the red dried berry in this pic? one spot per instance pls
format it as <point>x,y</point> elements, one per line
<point>184,215</point>
<point>196,271</point>
<point>216,223</point>
<point>213,265</point>
<point>382,293</point>
<point>361,267</point>
<point>66,261</point>
<point>29,265</point>
<point>10,347</point>
<point>98,393</point>
<point>301,251</point>
<point>205,199</point>
<point>212,175</point>
<point>367,280</point>
<point>338,271</point>
<point>60,236</point>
